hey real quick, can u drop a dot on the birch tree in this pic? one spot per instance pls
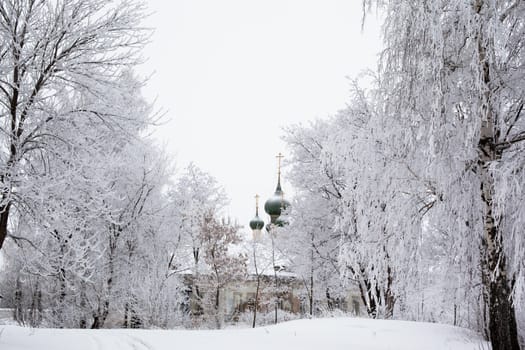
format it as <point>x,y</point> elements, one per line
<point>454,72</point>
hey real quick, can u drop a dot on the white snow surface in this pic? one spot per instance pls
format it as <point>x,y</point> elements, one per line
<point>329,333</point>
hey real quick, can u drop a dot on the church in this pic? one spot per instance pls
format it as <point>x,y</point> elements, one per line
<point>272,284</point>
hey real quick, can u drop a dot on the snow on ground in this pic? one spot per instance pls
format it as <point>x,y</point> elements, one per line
<point>332,334</point>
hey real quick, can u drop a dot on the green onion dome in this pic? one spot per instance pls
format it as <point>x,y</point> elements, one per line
<point>276,203</point>
<point>256,223</point>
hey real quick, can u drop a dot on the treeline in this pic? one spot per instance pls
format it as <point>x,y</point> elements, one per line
<point>421,177</point>
<point>93,230</point>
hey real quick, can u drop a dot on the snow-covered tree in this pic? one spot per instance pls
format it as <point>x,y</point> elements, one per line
<point>225,266</point>
<point>452,73</point>
<point>359,181</point>
<point>50,53</point>
<point>259,266</point>
<point>312,238</point>
<point>91,213</point>
<point>195,198</point>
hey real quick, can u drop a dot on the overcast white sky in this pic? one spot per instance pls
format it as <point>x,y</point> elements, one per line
<point>232,73</point>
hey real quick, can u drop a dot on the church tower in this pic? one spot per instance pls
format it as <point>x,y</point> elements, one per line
<point>256,224</point>
<point>276,204</point>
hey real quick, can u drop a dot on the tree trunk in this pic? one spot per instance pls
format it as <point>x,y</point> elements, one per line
<point>369,296</point>
<point>100,317</point>
<point>195,300</point>
<point>60,312</point>
<point>311,296</point>
<point>216,307</point>
<point>135,320</point>
<point>390,299</point>
<point>329,301</point>
<point>4,218</point>
<point>276,281</point>
<point>256,302</point>
<point>36,305</point>
<point>102,313</point>
<point>83,321</point>
<point>126,315</point>
<point>502,328</point>
<point>18,314</point>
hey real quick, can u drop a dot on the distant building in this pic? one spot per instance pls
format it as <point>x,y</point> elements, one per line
<point>270,284</point>
<point>290,286</point>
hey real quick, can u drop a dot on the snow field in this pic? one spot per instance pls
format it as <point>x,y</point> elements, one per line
<point>333,334</point>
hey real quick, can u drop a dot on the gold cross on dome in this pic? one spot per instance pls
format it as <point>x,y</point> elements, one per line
<point>279,158</point>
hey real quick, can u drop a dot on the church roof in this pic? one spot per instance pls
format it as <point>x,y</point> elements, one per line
<point>276,203</point>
